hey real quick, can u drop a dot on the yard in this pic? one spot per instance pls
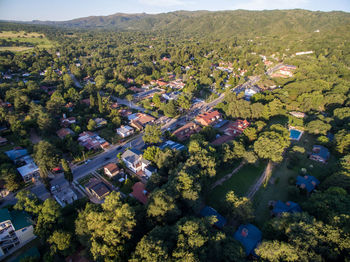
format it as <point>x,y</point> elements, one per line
<point>239,183</point>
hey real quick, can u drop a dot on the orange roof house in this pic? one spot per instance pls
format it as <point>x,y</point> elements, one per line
<point>111,170</point>
<point>139,192</point>
<point>186,131</point>
<point>208,118</point>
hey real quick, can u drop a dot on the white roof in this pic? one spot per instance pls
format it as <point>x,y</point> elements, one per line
<point>28,169</point>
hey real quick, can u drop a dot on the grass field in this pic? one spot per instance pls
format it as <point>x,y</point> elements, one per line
<point>239,183</point>
<point>38,40</point>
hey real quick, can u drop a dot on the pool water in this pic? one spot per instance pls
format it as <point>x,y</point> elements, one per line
<point>295,134</point>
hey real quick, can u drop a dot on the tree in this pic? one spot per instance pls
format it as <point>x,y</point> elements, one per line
<point>67,81</point>
<point>48,218</point>
<point>170,109</point>
<point>45,156</point>
<point>28,202</point>
<point>156,100</point>
<point>72,95</point>
<point>92,101</point>
<point>67,171</point>
<point>91,125</point>
<point>153,134</point>
<point>13,181</point>
<point>279,251</point>
<point>99,101</point>
<point>151,152</point>
<point>60,242</point>
<point>110,229</point>
<point>240,209</point>
<point>250,133</point>
<point>271,145</point>
<point>100,81</point>
<point>318,127</point>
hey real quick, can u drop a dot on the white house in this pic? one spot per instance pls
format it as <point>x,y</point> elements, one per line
<point>125,131</point>
<point>16,229</point>
<point>137,164</point>
<point>28,171</point>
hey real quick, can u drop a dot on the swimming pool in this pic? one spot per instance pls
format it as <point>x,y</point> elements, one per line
<point>295,134</point>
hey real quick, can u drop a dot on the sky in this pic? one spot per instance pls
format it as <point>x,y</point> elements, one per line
<point>61,10</point>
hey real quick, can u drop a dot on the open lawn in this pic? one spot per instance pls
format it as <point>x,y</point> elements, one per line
<point>239,183</point>
<point>36,39</point>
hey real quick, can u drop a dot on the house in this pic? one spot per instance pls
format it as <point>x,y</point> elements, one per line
<point>172,145</point>
<point>16,154</point>
<point>140,120</point>
<point>249,92</point>
<point>307,182</point>
<point>3,141</point>
<point>100,122</point>
<point>97,188</point>
<point>297,114</point>
<point>63,132</point>
<point>111,170</point>
<point>288,207</point>
<point>320,154</point>
<point>125,112</point>
<point>91,140</point>
<point>69,106</point>
<point>171,96</point>
<point>186,131</point>
<point>114,105</point>
<point>136,125</point>
<point>16,229</point>
<point>125,131</point>
<point>29,171</point>
<point>236,128</point>
<point>68,121</point>
<point>211,212</point>
<point>139,192</point>
<point>64,196</point>
<point>249,236</point>
<point>208,118</point>
<point>137,164</point>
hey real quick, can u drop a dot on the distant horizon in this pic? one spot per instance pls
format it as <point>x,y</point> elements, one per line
<point>42,10</point>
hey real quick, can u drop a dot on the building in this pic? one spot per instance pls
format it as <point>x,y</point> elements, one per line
<point>68,121</point>
<point>171,96</point>
<point>172,145</point>
<point>64,196</point>
<point>249,92</point>
<point>249,236</point>
<point>309,183</point>
<point>29,171</point>
<point>97,188</point>
<point>236,128</point>
<point>320,154</point>
<point>208,118</point>
<point>111,170</point>
<point>63,132</point>
<point>16,229</point>
<point>90,140</point>
<point>139,192</point>
<point>211,212</point>
<point>16,154</point>
<point>288,207</point>
<point>3,141</point>
<point>186,131</point>
<point>125,131</point>
<point>100,122</point>
<point>137,164</point>
<point>297,114</point>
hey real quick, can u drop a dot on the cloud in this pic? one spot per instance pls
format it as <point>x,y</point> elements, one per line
<point>271,4</point>
<point>165,3</point>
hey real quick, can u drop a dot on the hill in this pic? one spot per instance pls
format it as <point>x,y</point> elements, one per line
<point>218,23</point>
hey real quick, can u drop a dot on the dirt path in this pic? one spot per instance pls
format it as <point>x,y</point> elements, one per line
<point>267,172</point>
<point>228,176</point>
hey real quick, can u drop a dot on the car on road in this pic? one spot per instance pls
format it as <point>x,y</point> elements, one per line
<point>119,147</point>
<point>87,161</point>
<point>107,158</point>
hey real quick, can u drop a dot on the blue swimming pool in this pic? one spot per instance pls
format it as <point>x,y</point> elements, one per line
<point>295,134</point>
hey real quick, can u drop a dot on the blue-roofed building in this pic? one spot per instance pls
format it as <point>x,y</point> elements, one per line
<point>209,211</point>
<point>16,154</point>
<point>307,182</point>
<point>221,123</point>
<point>172,145</point>
<point>320,154</point>
<point>288,207</point>
<point>249,236</point>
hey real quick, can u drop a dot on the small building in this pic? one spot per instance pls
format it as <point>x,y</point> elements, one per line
<point>90,141</point>
<point>297,114</point>
<point>288,207</point>
<point>139,192</point>
<point>16,230</point>
<point>29,171</point>
<point>320,154</point>
<point>186,131</point>
<point>65,196</point>
<point>172,145</point>
<point>249,236</point>
<point>100,122</point>
<point>137,164</point>
<point>211,212</point>
<point>209,118</point>
<point>236,128</point>
<point>3,141</point>
<point>16,154</point>
<point>111,170</point>
<point>125,131</point>
<point>68,121</point>
<point>63,132</point>
<point>97,188</point>
<point>171,96</point>
<point>307,182</point>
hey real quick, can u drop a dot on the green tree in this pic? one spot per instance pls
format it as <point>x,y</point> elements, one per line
<point>67,81</point>
<point>91,125</point>
<point>276,251</point>
<point>28,202</point>
<point>151,152</point>
<point>48,218</point>
<point>318,127</point>
<point>99,101</point>
<point>240,209</point>
<point>60,242</point>
<point>46,157</point>
<point>153,134</point>
<point>67,171</point>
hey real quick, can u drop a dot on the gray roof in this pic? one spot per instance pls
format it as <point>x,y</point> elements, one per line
<point>131,155</point>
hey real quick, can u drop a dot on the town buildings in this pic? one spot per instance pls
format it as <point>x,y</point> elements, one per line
<point>186,131</point>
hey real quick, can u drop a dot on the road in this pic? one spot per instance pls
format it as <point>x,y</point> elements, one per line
<point>130,104</point>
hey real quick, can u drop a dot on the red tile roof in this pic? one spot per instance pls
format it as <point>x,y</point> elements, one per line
<point>139,192</point>
<point>208,118</point>
<point>186,131</point>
